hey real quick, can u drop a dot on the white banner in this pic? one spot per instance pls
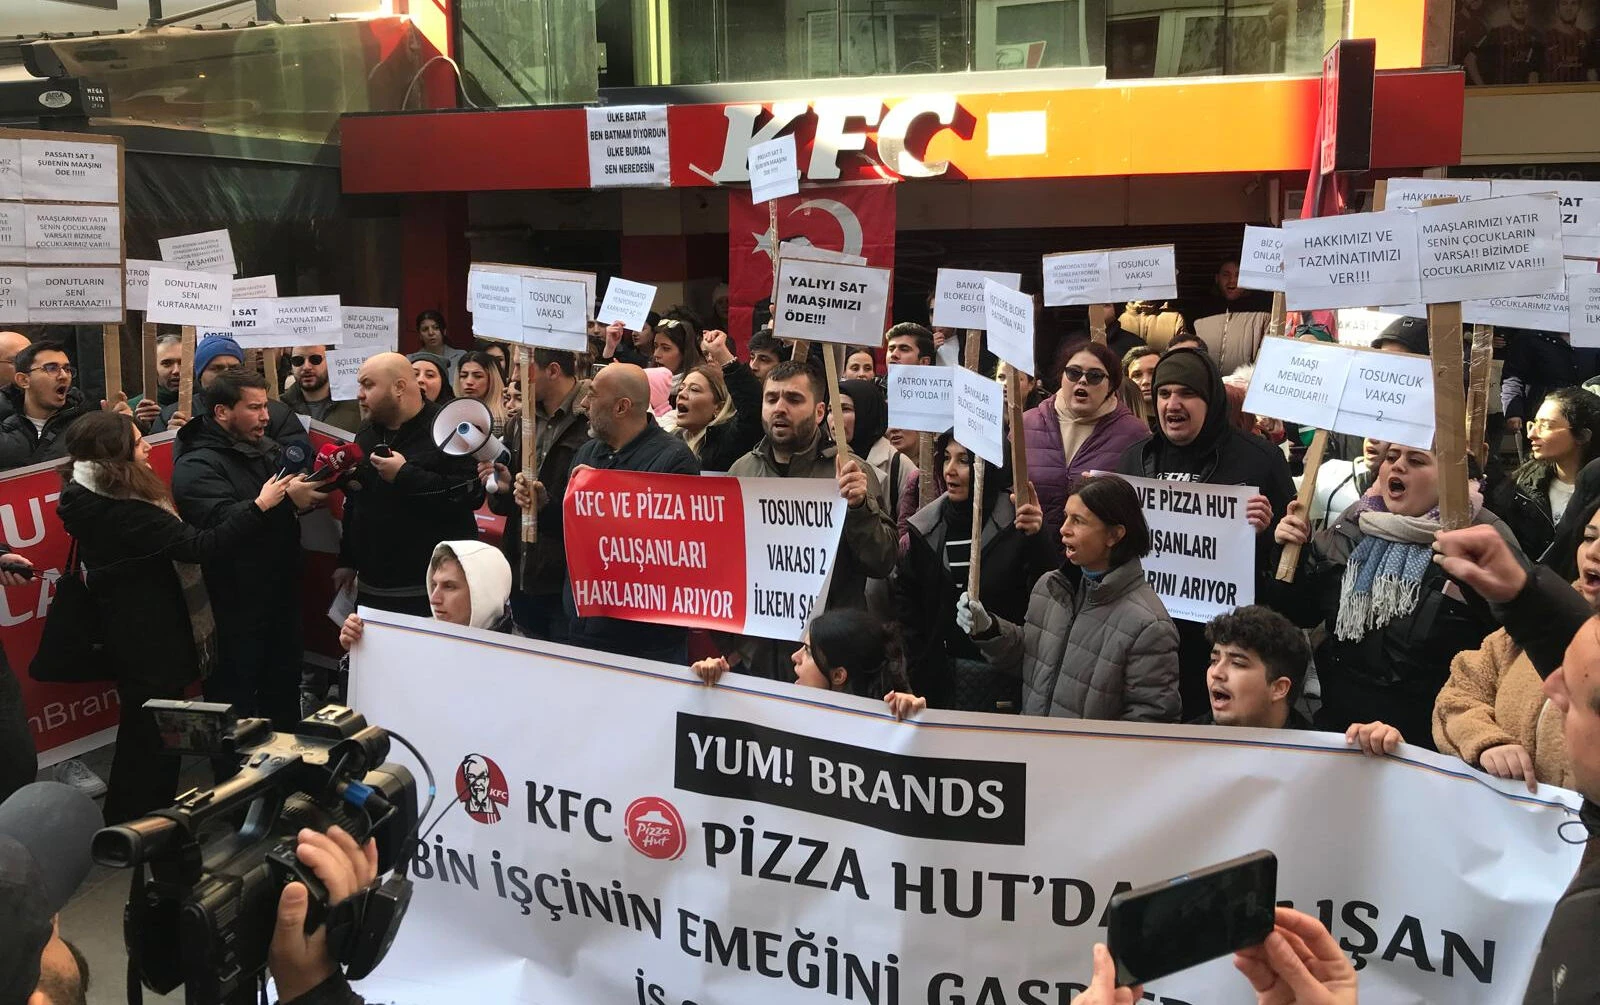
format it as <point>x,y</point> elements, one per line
<point>980,407</point>
<point>180,297</point>
<point>370,329</point>
<point>1411,193</point>
<point>13,232</point>
<point>1580,210</point>
<point>1351,261</point>
<point>1489,248</point>
<point>554,315</point>
<point>1076,277</point>
<point>13,294</point>
<point>136,281</point>
<point>628,145</point>
<point>496,299</point>
<point>255,287</point>
<point>802,248</point>
<point>920,397</point>
<point>958,295</point>
<point>344,371</point>
<point>1358,326</point>
<point>1389,396</point>
<point>1202,559</point>
<point>774,169</point>
<point>1008,318</point>
<point>10,168</point>
<point>826,302</point>
<point>307,320</point>
<point>1144,273</point>
<point>612,831</point>
<point>1584,315</point>
<point>211,251</point>
<point>628,302</point>
<point>1261,259</point>
<point>75,294</point>
<point>69,171</point>
<point>1298,381</point>
<point>1542,311</point>
<point>84,235</point>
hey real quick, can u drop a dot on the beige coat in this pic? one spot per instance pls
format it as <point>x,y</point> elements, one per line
<point>1494,697</point>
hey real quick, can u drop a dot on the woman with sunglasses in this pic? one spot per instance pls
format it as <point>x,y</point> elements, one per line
<point>1084,426</point>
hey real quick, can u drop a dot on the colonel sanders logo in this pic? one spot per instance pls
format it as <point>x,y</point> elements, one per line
<point>655,829</point>
<point>481,787</point>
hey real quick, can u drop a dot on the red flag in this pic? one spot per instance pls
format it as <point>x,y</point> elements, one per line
<point>855,219</point>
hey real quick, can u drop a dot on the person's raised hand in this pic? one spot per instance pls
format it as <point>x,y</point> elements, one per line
<point>904,705</point>
<point>714,346</point>
<point>149,410</point>
<point>299,962</point>
<point>1479,558</point>
<point>970,615</point>
<point>499,472</point>
<point>177,419</point>
<point>1298,964</point>
<point>1508,760</point>
<point>529,495</point>
<point>1375,739</point>
<point>351,631</point>
<point>116,403</point>
<point>852,481</point>
<point>388,465</point>
<point>1258,511</point>
<point>710,670</point>
<point>1102,989</point>
<point>1293,528</point>
<point>1030,515</point>
<point>615,333</point>
<point>273,491</point>
<point>10,561</point>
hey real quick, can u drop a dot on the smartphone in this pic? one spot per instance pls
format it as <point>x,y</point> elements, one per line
<point>1166,927</point>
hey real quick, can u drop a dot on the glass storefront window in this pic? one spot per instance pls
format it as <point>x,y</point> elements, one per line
<point>528,52</point>
<point>1526,42</point>
<point>1186,38</point>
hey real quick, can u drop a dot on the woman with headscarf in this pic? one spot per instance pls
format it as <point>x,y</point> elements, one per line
<point>946,666</point>
<point>1394,620</point>
<point>718,407</point>
<point>866,423</point>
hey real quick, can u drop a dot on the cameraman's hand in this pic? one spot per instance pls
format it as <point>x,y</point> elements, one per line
<point>299,962</point>
<point>1102,988</point>
<point>1299,964</point>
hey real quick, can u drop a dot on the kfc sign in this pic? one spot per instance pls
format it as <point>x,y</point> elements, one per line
<point>834,127</point>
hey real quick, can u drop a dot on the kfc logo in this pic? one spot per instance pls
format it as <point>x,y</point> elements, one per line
<point>481,787</point>
<point>655,829</point>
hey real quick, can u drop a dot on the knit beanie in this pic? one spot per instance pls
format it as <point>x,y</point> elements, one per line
<point>1185,367</point>
<point>212,347</point>
<point>439,362</point>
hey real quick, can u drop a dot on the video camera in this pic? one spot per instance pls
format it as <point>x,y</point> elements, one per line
<point>209,870</point>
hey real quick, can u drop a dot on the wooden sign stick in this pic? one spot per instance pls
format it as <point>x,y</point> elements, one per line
<point>1019,446</point>
<point>1289,561</point>
<point>1097,327</point>
<point>186,374</point>
<point>1449,407</point>
<point>1279,314</point>
<point>830,365</point>
<point>152,373</point>
<point>974,350</point>
<point>530,463</point>
<point>1478,393</point>
<point>926,490</point>
<point>269,366</point>
<point>111,352</point>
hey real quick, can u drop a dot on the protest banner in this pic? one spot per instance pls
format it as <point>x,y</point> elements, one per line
<point>1202,559</point>
<point>255,287</point>
<point>801,248</point>
<point>744,555</point>
<point>1541,311</point>
<point>136,282</point>
<point>371,329</point>
<point>920,397</point>
<point>765,843</point>
<point>828,302</point>
<point>1076,277</point>
<point>774,169</point>
<point>1580,210</point>
<point>1583,292</point>
<point>1389,396</point>
<point>56,233</point>
<point>1358,326</point>
<point>1008,318</point>
<point>1351,261</point>
<point>344,371</point>
<point>1298,381</point>
<point>1261,259</point>
<point>303,320</point>
<point>180,297</point>
<point>553,314</point>
<point>628,145</point>
<point>1144,273</point>
<point>979,404</point>
<point>13,232</point>
<point>211,251</point>
<point>69,168</point>
<point>496,305</point>
<point>74,294</point>
<point>13,293</point>
<point>1508,247</point>
<point>958,296</point>
<point>628,302</point>
<point>1412,193</point>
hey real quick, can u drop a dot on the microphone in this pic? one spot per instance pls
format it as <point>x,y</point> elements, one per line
<point>336,460</point>
<point>294,459</point>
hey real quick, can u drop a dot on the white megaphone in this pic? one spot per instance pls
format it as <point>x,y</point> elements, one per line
<point>465,427</point>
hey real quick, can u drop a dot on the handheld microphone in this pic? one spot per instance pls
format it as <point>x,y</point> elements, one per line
<point>336,460</point>
<point>294,459</point>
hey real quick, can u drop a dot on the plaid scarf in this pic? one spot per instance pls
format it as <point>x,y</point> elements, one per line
<point>1383,578</point>
<point>191,581</point>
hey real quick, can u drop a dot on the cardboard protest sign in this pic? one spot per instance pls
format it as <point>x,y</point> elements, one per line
<point>1298,381</point>
<point>1580,210</point>
<point>74,294</point>
<point>1583,292</point>
<point>69,171</point>
<point>10,168</point>
<point>344,371</point>
<point>1351,261</point>
<point>1507,247</point>
<point>308,319</point>
<point>13,294</point>
<point>826,302</point>
<point>370,329</point>
<point>1144,273</point>
<point>774,169</point>
<point>743,555</point>
<point>1389,396</point>
<point>60,233</point>
<point>1202,559</point>
<point>628,145</point>
<point>958,296</point>
<point>1261,259</point>
<point>1008,318</point>
<point>255,287</point>
<point>921,397</point>
<point>628,302</point>
<point>1541,311</point>
<point>1077,277</point>
<point>1411,193</point>
<point>250,324</point>
<point>553,314</point>
<point>801,248</point>
<point>497,305</point>
<point>978,421</point>
<point>180,297</point>
<point>136,281</point>
<point>1359,326</point>
<point>211,251</point>
<point>13,232</point>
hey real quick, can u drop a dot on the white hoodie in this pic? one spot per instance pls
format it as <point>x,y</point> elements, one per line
<point>488,577</point>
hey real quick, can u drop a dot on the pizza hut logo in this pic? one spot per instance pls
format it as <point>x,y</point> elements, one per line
<point>481,787</point>
<point>655,829</point>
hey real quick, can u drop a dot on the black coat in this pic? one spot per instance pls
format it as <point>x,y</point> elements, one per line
<point>283,424</point>
<point>1392,673</point>
<point>391,528</point>
<point>256,588</point>
<point>21,444</point>
<point>724,444</point>
<point>1536,364</point>
<point>542,569</point>
<point>925,591</point>
<point>1523,502</point>
<point>128,547</point>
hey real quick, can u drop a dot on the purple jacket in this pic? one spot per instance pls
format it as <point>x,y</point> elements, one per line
<point>1047,463</point>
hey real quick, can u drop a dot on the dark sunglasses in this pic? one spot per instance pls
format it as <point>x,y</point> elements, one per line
<point>315,359</point>
<point>1073,374</point>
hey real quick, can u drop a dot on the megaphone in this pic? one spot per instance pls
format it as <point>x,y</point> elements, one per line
<point>465,427</point>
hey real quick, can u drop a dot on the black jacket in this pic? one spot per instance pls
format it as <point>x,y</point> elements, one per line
<point>655,450</point>
<point>391,528</point>
<point>283,424</point>
<point>724,444</point>
<point>344,415</point>
<point>1120,340</point>
<point>542,569</point>
<point>128,548</point>
<point>1536,364</point>
<point>925,590</point>
<point>21,444</point>
<point>1522,500</point>
<point>1393,673</point>
<point>258,587</point>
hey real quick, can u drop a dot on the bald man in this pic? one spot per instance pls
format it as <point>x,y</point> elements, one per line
<point>406,497</point>
<point>625,437</point>
<point>11,343</point>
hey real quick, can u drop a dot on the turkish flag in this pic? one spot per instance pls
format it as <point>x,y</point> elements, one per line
<point>854,219</point>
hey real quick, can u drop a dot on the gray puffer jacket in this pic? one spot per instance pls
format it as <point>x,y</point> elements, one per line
<point>1088,650</point>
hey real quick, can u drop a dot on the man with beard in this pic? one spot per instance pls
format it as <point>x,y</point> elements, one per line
<point>1232,320</point>
<point>311,395</point>
<point>1194,442</point>
<point>44,403</point>
<point>1509,53</point>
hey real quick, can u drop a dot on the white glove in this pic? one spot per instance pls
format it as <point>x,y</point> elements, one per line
<point>970,615</point>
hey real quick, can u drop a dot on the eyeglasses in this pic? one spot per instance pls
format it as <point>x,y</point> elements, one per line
<point>54,369</point>
<point>1546,426</point>
<point>1073,374</point>
<point>315,359</point>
